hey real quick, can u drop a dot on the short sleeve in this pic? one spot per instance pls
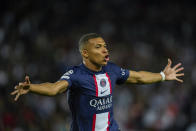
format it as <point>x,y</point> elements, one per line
<point>121,74</point>
<point>68,75</point>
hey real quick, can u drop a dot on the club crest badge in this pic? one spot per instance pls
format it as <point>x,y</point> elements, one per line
<point>103,83</point>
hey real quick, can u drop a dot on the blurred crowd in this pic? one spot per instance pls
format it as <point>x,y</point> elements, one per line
<point>40,39</point>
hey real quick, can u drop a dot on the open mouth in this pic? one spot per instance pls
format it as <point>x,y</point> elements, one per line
<point>107,58</point>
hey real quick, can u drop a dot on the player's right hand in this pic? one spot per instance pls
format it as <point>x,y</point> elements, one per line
<point>22,88</point>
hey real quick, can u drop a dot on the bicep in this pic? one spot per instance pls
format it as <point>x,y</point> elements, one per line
<point>134,77</point>
<point>61,86</point>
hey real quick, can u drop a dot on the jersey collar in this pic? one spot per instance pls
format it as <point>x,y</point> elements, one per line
<point>91,71</point>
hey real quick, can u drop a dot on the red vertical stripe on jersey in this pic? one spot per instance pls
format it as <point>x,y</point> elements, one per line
<point>96,85</point>
<point>109,83</point>
<point>108,121</point>
<point>94,121</point>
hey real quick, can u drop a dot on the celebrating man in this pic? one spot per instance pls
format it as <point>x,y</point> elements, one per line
<point>90,85</point>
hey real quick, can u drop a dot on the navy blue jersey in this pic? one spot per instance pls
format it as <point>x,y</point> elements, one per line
<point>90,96</point>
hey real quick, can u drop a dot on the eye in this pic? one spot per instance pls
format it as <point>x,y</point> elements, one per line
<point>97,46</point>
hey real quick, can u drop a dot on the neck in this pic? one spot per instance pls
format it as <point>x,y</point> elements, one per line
<point>91,66</point>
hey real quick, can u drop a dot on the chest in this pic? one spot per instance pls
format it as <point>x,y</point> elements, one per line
<point>96,84</point>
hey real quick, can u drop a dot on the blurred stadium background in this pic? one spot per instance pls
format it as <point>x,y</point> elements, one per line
<point>40,38</point>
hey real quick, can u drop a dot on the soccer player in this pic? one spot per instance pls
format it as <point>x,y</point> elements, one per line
<point>90,85</point>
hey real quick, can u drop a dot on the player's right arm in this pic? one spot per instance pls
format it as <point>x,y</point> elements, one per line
<point>48,89</point>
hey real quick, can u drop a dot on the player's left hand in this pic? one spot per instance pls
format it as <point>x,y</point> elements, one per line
<point>173,73</point>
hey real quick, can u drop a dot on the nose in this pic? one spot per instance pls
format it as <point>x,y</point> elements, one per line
<point>105,50</point>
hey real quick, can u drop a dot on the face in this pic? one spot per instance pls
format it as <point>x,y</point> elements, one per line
<point>97,52</point>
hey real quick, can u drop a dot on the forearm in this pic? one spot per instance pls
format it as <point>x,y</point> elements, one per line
<point>144,77</point>
<point>43,89</point>
<point>149,77</point>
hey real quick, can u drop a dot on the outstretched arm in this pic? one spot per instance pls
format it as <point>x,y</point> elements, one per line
<point>49,89</point>
<point>143,77</point>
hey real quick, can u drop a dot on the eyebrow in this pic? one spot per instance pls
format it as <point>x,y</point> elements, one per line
<point>101,44</point>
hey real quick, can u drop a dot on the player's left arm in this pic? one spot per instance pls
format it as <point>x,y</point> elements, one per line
<point>144,77</point>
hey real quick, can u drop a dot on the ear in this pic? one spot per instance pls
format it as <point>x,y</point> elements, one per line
<point>84,53</point>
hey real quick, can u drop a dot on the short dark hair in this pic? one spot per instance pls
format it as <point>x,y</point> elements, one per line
<point>84,39</point>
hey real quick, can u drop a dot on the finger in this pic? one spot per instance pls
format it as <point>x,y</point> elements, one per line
<point>27,80</point>
<point>16,87</point>
<point>17,96</point>
<point>20,84</point>
<point>23,86</point>
<point>169,62</point>
<point>180,69</point>
<point>14,92</point>
<point>24,92</point>
<point>176,66</point>
<point>179,80</point>
<point>181,74</point>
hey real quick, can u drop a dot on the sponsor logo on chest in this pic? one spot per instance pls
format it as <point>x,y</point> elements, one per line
<point>101,103</point>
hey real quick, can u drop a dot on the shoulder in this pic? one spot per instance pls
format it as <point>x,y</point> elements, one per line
<point>71,70</point>
<point>111,65</point>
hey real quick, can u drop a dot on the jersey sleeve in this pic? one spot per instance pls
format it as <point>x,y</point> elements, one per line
<point>121,74</point>
<point>68,76</point>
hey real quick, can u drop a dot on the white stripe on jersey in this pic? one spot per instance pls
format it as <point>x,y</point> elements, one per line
<point>101,122</point>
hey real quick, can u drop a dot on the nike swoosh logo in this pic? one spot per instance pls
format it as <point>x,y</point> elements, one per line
<point>103,91</point>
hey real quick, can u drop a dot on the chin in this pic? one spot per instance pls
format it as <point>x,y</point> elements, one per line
<point>104,63</point>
